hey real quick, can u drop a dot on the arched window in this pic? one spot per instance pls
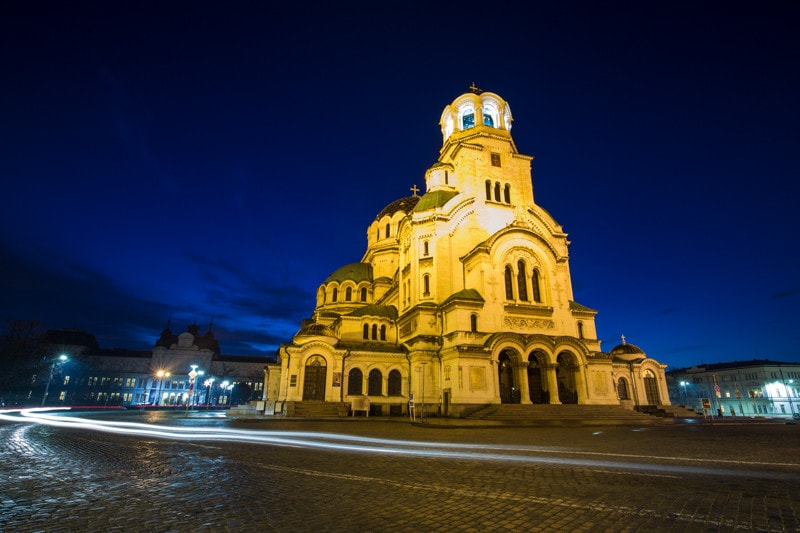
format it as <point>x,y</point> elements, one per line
<point>366,331</point>
<point>497,191</point>
<point>383,332</point>
<point>580,330</point>
<point>522,281</point>
<point>363,294</point>
<point>537,293</point>
<point>355,382</point>
<point>348,294</point>
<point>509,283</point>
<point>425,248</point>
<point>374,332</point>
<point>378,234</point>
<point>395,385</point>
<point>335,294</point>
<point>446,177</point>
<point>507,193</point>
<point>426,285</point>
<point>488,190</point>
<point>487,119</point>
<point>388,230</point>
<point>375,383</point>
<point>467,117</point>
<point>622,389</point>
<point>473,323</point>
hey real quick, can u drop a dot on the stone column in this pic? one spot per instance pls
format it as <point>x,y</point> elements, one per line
<point>552,383</point>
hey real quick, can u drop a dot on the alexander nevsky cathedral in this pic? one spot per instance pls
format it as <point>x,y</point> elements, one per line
<point>462,299</point>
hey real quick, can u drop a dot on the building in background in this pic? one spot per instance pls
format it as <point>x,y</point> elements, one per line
<point>740,388</point>
<point>183,369</point>
<point>463,297</point>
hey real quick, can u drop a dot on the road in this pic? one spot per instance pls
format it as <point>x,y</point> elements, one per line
<point>207,473</point>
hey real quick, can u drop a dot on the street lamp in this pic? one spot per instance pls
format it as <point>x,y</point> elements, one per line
<point>423,413</point>
<point>161,374</point>
<point>60,359</point>
<point>193,373</point>
<point>685,400</point>
<point>208,383</point>
<point>224,387</point>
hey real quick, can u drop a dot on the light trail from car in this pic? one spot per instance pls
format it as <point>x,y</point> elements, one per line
<point>633,464</point>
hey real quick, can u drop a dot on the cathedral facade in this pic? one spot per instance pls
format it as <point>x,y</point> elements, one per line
<point>463,298</point>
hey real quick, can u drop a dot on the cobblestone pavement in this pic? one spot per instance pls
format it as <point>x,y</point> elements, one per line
<point>679,477</point>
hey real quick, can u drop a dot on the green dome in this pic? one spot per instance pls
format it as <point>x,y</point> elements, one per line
<point>356,272</point>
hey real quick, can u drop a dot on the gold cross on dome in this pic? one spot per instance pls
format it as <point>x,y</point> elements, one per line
<point>414,189</point>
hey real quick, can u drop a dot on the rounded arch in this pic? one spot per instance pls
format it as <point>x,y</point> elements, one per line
<point>623,391</point>
<point>375,382</point>
<point>537,376</point>
<point>567,369</point>
<point>355,382</point>
<point>395,383</point>
<point>506,362</point>
<point>650,387</point>
<point>315,374</point>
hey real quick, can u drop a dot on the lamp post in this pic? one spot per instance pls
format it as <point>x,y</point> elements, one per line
<point>224,387</point>
<point>192,375</point>
<point>60,359</point>
<point>208,383</point>
<point>161,374</point>
<point>685,400</point>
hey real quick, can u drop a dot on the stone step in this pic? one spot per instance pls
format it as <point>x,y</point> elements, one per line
<point>556,412</point>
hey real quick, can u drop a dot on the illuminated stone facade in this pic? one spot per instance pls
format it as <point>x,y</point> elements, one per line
<point>464,293</point>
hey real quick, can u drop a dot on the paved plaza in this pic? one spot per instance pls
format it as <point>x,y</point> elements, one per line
<point>390,475</point>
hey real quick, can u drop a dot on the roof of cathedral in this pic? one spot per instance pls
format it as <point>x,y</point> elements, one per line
<point>575,306</point>
<point>403,204</point>
<point>433,199</point>
<point>353,272</point>
<point>388,311</point>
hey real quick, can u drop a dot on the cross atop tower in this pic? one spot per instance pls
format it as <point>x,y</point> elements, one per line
<point>623,339</point>
<point>414,189</point>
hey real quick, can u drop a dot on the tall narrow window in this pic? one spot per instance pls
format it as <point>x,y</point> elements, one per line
<point>387,231</point>
<point>497,191</point>
<point>537,294</point>
<point>374,332</point>
<point>366,331</point>
<point>383,332</point>
<point>507,193</point>
<point>363,294</point>
<point>580,330</point>
<point>378,234</point>
<point>426,285</point>
<point>425,248</point>
<point>509,284</point>
<point>446,178</point>
<point>522,281</point>
<point>473,323</point>
<point>468,121</point>
<point>335,294</point>
<point>488,190</point>
<point>355,381</point>
<point>348,294</point>
<point>395,384</point>
<point>375,382</point>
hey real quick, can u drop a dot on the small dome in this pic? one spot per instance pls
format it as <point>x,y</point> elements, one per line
<point>315,330</point>
<point>403,204</point>
<point>356,272</point>
<point>626,349</point>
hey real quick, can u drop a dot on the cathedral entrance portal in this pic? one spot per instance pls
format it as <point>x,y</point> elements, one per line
<point>508,392</point>
<point>651,388</point>
<point>565,375</point>
<point>536,378</point>
<point>315,377</point>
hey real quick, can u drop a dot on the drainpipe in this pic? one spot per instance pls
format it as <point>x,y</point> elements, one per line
<point>341,385</point>
<point>284,410</point>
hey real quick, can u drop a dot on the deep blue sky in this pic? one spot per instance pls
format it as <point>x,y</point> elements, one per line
<point>219,159</point>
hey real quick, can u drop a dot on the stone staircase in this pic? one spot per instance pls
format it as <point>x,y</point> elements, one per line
<point>559,413</point>
<point>669,411</point>
<point>316,409</point>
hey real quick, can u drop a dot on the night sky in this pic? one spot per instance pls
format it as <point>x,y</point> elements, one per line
<point>217,161</point>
